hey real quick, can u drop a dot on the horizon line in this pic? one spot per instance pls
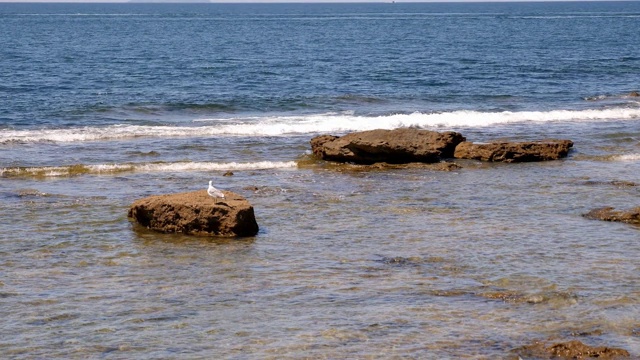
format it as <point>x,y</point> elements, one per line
<point>294,1</point>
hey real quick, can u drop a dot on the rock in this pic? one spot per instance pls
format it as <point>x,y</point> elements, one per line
<point>634,94</point>
<point>228,173</point>
<point>570,350</point>
<point>514,151</point>
<point>609,214</point>
<point>397,146</point>
<point>196,213</point>
<point>317,143</point>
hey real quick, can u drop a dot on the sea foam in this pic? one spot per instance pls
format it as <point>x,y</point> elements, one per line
<point>106,169</point>
<point>311,124</point>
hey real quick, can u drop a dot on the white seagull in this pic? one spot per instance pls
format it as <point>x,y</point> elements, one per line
<point>214,193</point>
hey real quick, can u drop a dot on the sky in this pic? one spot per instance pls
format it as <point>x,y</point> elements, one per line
<point>272,1</point>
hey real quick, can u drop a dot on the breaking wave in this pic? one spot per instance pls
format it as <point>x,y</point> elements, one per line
<point>310,124</point>
<point>106,169</point>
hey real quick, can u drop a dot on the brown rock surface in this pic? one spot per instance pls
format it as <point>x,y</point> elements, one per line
<point>610,214</point>
<point>514,151</point>
<point>196,213</point>
<point>396,146</point>
<point>574,350</point>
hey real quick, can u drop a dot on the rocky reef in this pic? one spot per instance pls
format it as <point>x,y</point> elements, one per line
<point>409,145</point>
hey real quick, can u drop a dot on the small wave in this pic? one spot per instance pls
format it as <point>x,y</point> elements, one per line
<point>106,169</point>
<point>311,124</point>
<point>180,106</point>
<point>626,157</point>
<point>83,14</point>
<point>359,99</point>
<point>597,97</point>
<point>630,95</point>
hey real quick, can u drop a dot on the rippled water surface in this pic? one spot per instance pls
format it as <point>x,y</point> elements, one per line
<point>417,263</point>
<point>401,263</point>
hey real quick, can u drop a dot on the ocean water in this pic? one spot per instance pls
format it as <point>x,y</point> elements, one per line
<point>102,104</point>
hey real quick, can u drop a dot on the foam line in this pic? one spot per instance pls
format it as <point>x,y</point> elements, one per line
<point>311,124</point>
<point>72,170</point>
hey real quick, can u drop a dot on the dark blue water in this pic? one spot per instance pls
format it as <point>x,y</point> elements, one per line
<point>89,64</point>
<point>102,104</point>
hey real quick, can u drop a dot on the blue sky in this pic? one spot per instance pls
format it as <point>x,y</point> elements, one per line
<point>276,1</point>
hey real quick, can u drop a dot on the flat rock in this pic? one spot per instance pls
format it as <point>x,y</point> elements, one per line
<point>196,213</point>
<point>610,214</point>
<point>511,152</point>
<point>398,146</point>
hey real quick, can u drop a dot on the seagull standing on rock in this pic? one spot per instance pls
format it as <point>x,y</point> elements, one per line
<point>214,193</point>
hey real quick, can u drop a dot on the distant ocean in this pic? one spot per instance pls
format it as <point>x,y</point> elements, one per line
<point>101,104</point>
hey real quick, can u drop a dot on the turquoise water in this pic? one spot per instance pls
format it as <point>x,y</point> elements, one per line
<point>103,104</point>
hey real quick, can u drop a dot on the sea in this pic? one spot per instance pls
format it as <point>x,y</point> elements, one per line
<point>103,104</point>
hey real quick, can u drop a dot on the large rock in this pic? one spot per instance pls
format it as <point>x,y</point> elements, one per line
<point>397,146</point>
<point>514,151</point>
<point>610,214</point>
<point>196,213</point>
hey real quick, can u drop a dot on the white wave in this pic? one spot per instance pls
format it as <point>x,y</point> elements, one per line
<point>57,171</point>
<point>627,157</point>
<point>310,124</point>
<point>200,166</point>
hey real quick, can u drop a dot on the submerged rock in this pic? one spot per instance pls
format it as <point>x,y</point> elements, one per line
<point>401,261</point>
<point>610,214</point>
<point>396,146</point>
<point>196,213</point>
<point>514,151</point>
<point>570,350</point>
<point>555,297</point>
<point>616,183</point>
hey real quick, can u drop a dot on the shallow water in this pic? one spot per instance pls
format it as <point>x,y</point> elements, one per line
<point>465,264</point>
